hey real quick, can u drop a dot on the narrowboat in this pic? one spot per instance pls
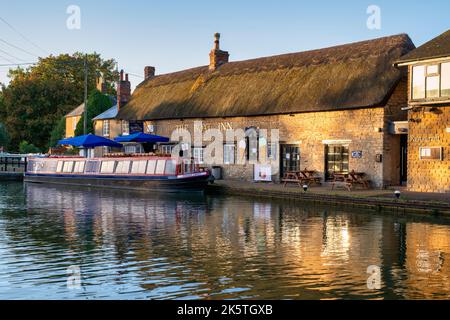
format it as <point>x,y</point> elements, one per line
<point>138,173</point>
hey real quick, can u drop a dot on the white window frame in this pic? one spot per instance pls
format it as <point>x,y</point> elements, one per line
<point>106,128</point>
<point>198,153</point>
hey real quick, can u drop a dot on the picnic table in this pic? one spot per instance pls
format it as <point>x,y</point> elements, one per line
<point>350,180</point>
<point>305,177</point>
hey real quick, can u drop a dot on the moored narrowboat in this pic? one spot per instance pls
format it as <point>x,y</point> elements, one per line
<point>139,173</point>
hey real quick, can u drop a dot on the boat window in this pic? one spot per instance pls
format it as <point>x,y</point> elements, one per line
<point>139,167</point>
<point>49,166</point>
<point>151,167</point>
<point>59,167</point>
<point>123,167</point>
<point>171,167</point>
<point>79,167</point>
<point>160,167</point>
<point>92,166</point>
<point>107,166</point>
<point>68,166</point>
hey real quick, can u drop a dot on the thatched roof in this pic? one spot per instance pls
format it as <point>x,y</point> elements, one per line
<point>436,48</point>
<point>342,77</point>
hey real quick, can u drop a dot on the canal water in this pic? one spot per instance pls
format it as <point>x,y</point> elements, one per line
<point>75,243</point>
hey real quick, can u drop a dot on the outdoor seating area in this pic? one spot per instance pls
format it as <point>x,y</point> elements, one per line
<point>304,177</point>
<point>350,181</point>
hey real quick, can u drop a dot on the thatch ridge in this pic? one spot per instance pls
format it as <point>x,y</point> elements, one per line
<point>346,76</point>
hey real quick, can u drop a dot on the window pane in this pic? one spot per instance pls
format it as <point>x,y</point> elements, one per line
<point>68,166</point>
<point>123,167</point>
<point>171,167</point>
<point>139,167</point>
<point>433,87</point>
<point>445,80</point>
<point>151,167</point>
<point>59,167</point>
<point>418,82</point>
<point>432,70</point>
<point>108,166</point>
<point>160,167</point>
<point>228,154</point>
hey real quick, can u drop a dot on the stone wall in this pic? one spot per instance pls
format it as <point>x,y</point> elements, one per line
<point>429,129</point>
<point>363,130</point>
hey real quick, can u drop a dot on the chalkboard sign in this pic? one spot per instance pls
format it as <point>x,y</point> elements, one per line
<point>136,126</point>
<point>357,154</point>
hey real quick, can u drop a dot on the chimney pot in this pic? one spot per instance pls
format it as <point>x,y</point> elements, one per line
<point>121,75</point>
<point>217,57</point>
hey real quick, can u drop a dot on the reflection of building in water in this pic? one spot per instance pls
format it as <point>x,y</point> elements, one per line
<point>427,251</point>
<point>287,249</point>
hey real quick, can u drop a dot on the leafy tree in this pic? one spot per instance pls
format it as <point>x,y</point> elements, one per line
<point>97,104</point>
<point>37,97</point>
<point>58,132</point>
<point>27,148</point>
<point>4,138</point>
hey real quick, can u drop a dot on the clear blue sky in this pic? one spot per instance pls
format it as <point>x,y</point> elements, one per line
<point>173,34</point>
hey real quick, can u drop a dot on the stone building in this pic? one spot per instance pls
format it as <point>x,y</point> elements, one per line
<point>334,109</point>
<point>429,115</point>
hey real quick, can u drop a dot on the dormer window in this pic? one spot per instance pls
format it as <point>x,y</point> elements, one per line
<point>431,82</point>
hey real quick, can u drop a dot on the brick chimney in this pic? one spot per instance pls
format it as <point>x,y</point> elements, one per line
<point>102,85</point>
<point>217,57</point>
<point>123,90</point>
<point>149,72</point>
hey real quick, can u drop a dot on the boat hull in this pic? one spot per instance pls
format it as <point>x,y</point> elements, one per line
<point>190,183</point>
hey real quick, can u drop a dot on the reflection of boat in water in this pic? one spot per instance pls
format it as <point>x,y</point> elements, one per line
<point>137,173</point>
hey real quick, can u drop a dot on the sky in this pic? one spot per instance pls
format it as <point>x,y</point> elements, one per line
<point>173,35</point>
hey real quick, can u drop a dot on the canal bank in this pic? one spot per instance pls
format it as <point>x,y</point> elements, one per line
<point>380,200</point>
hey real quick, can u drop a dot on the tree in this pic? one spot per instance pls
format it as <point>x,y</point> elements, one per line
<point>97,104</point>
<point>37,97</point>
<point>4,138</point>
<point>28,148</point>
<point>58,132</point>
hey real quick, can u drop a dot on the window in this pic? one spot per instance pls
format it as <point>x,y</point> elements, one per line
<point>419,82</point>
<point>79,167</point>
<point>68,166</point>
<point>160,166</point>
<point>167,149</point>
<point>106,128</point>
<point>92,166</point>
<point>431,82</point>
<point>125,128</point>
<point>59,167</point>
<point>198,155</point>
<point>337,159</point>
<point>151,167</point>
<point>123,167</point>
<point>229,154</point>
<point>445,79</point>
<point>433,87</point>
<point>139,167</point>
<point>272,151</point>
<point>107,166</point>
<point>171,167</point>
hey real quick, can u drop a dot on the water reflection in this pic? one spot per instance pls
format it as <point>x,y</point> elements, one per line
<point>134,245</point>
